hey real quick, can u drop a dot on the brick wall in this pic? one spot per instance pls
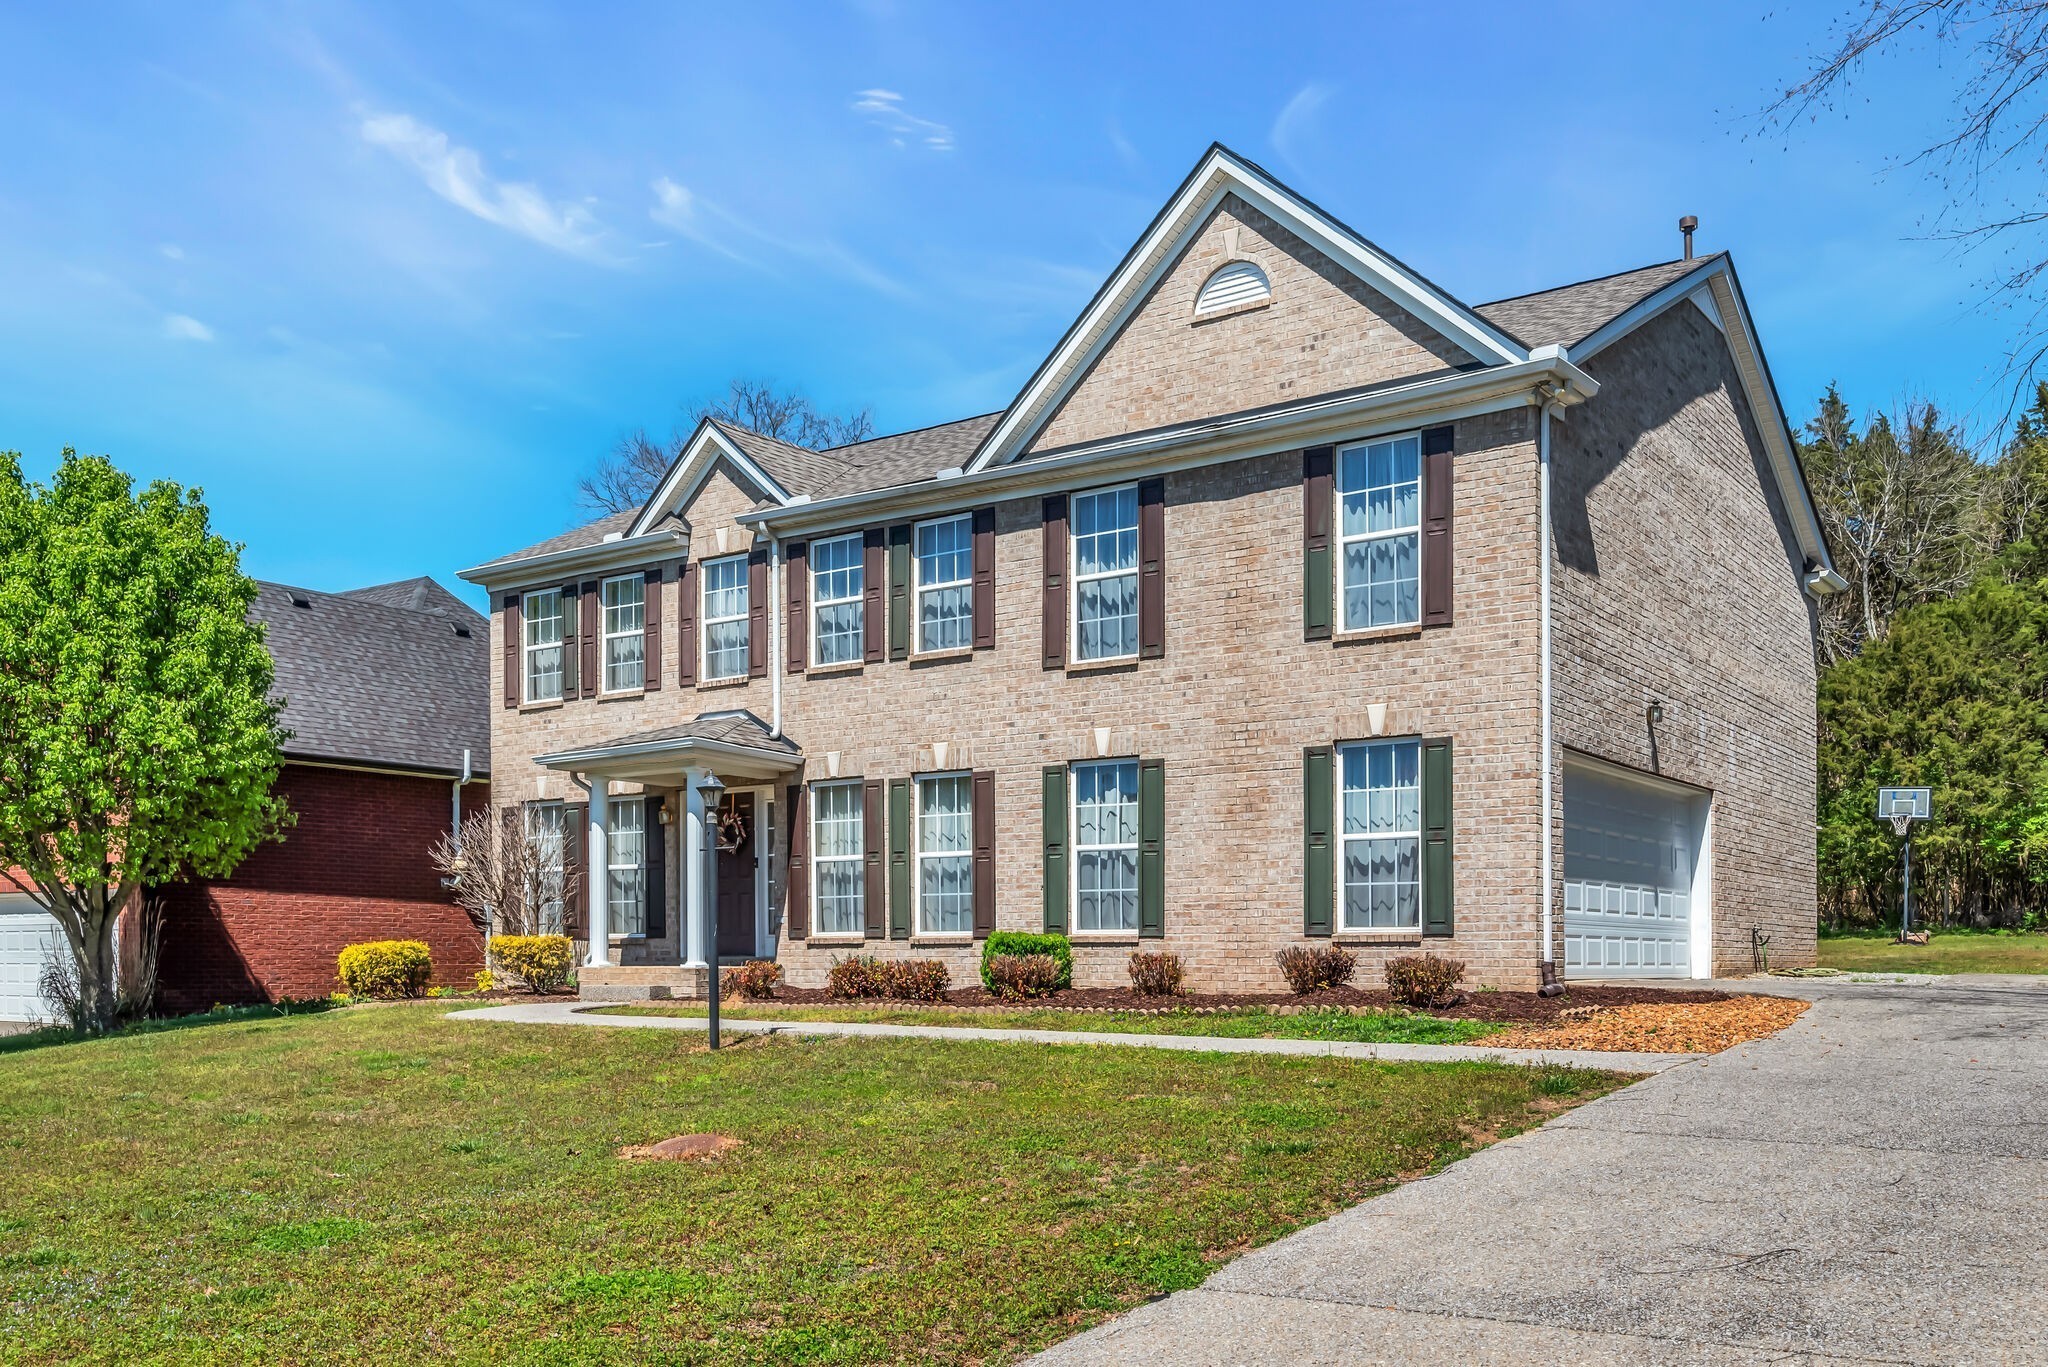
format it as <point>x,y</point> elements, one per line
<point>353,868</point>
<point>1679,581</point>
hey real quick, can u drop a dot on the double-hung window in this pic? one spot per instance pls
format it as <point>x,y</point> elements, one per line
<point>1381,789</point>
<point>945,855</point>
<point>838,905</point>
<point>837,622</point>
<point>1105,537</point>
<point>626,852</point>
<point>546,834</point>
<point>1380,488</point>
<point>543,651</point>
<point>625,633</point>
<point>945,584</point>
<point>725,618</point>
<point>1106,845</point>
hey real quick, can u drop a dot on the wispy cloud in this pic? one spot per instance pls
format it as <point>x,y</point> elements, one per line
<point>884,109</point>
<point>712,226</point>
<point>180,328</point>
<point>172,251</point>
<point>457,175</point>
<point>676,209</point>
<point>1297,121</point>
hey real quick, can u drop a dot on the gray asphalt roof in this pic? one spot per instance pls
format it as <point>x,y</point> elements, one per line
<point>725,728</point>
<point>366,682</point>
<point>1571,313</point>
<point>421,595</point>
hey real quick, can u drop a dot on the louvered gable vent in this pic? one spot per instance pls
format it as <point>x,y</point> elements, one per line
<point>1239,282</point>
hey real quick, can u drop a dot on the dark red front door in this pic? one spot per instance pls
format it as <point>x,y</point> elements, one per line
<point>737,859</point>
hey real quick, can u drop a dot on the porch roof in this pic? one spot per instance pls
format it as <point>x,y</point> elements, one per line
<point>737,744</point>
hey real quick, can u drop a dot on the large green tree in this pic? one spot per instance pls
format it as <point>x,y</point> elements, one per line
<point>138,741</point>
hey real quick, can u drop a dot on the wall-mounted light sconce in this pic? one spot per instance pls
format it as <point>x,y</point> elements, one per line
<point>1654,713</point>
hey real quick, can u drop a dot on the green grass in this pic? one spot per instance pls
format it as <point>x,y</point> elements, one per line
<point>1949,951</point>
<point>1379,1027</point>
<point>388,1184</point>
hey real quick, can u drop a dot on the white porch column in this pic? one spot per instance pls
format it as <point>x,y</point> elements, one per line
<point>695,892</point>
<point>597,876</point>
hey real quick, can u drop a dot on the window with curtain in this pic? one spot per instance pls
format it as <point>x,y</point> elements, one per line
<point>837,578</point>
<point>1380,498</point>
<point>1381,794</point>
<point>945,584</point>
<point>1106,845</point>
<point>945,855</point>
<point>547,830</point>
<point>1104,531</point>
<point>625,633</point>
<point>626,850</point>
<point>837,894</point>
<point>543,655</point>
<point>725,618</point>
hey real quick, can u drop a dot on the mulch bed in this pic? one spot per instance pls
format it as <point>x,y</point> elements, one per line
<point>1663,1027</point>
<point>1484,1006</point>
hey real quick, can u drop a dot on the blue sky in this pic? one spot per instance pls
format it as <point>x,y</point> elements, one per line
<point>385,279</point>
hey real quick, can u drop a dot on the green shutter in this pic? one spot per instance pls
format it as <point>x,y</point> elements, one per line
<point>1318,574</point>
<point>1318,804</point>
<point>1151,848</point>
<point>1054,815</point>
<point>1436,837</point>
<point>899,859</point>
<point>899,592</point>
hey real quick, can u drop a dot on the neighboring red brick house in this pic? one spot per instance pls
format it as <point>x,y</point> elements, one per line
<point>384,694</point>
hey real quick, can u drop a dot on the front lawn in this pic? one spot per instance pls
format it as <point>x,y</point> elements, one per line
<point>1947,951</point>
<point>388,1184</point>
<point>1251,1022</point>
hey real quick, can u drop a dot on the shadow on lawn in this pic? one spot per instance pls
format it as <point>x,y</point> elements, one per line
<point>46,1036</point>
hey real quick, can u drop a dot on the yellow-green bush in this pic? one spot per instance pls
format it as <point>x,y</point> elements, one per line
<point>386,968</point>
<point>542,962</point>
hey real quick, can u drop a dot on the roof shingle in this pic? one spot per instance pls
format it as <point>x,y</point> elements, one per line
<point>1569,314</point>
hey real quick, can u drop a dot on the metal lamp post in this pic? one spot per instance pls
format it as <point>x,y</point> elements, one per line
<point>708,791</point>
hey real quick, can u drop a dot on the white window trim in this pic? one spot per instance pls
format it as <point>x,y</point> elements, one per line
<point>859,600</point>
<point>858,858</point>
<point>1074,846</point>
<point>557,816</point>
<point>1337,925</point>
<point>705,621</point>
<point>605,636</point>
<point>1136,572</point>
<point>918,854</point>
<point>920,587</point>
<point>527,648</point>
<point>614,865</point>
<point>1344,543</point>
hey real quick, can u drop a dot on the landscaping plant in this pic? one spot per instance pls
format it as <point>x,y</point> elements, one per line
<point>1016,977</point>
<point>1002,942</point>
<point>755,980</point>
<point>858,975</point>
<point>1424,980</point>
<point>506,877</point>
<point>1155,975</point>
<point>916,980</point>
<point>1314,969</point>
<point>386,968</point>
<point>542,962</point>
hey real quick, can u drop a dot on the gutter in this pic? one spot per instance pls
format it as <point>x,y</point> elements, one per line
<point>623,550</point>
<point>573,760</point>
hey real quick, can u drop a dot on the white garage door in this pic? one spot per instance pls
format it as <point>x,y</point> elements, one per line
<point>27,939</point>
<point>1631,856</point>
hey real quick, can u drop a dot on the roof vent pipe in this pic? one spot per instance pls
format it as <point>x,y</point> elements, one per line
<point>1688,225</point>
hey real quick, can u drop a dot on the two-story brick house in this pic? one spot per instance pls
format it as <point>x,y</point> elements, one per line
<point>1291,598</point>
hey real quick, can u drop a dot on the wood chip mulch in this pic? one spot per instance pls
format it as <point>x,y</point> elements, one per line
<point>1660,1027</point>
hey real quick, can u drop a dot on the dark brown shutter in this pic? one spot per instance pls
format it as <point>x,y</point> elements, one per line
<point>796,917</point>
<point>983,789</point>
<point>984,578</point>
<point>1437,476</point>
<point>1054,607</point>
<point>796,569</point>
<point>1318,569</point>
<point>572,648</point>
<point>515,629</point>
<point>873,847</point>
<point>757,613</point>
<point>687,603</point>
<point>654,840</point>
<point>593,631</point>
<point>1151,569</point>
<point>874,627</point>
<point>651,654</point>
<point>575,849</point>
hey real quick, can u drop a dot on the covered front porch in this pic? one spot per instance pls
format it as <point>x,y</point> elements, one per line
<point>678,863</point>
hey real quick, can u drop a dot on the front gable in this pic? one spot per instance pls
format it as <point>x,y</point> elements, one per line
<point>1299,325</point>
<point>709,451</point>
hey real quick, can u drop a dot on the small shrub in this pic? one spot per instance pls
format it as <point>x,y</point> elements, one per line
<point>542,962</point>
<point>1016,977</point>
<point>1424,980</point>
<point>862,975</point>
<point>484,981</point>
<point>386,968</point>
<point>1056,947</point>
<point>755,980</point>
<point>1312,970</point>
<point>916,980</point>
<point>1156,975</point>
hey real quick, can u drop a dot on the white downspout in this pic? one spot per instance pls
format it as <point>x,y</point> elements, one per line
<point>775,644</point>
<point>1550,405</point>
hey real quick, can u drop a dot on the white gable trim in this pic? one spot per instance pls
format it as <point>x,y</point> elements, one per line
<point>1222,173</point>
<point>706,447</point>
<point>1714,289</point>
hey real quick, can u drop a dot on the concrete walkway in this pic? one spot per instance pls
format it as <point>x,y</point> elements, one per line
<point>571,1013</point>
<point>1871,1185</point>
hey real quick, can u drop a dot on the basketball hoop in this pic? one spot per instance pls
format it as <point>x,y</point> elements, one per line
<point>1902,807</point>
<point>1901,823</point>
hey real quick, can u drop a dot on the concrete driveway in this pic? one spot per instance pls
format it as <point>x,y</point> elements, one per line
<point>1869,1186</point>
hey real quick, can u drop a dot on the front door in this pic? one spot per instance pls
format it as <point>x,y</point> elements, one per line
<point>738,857</point>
